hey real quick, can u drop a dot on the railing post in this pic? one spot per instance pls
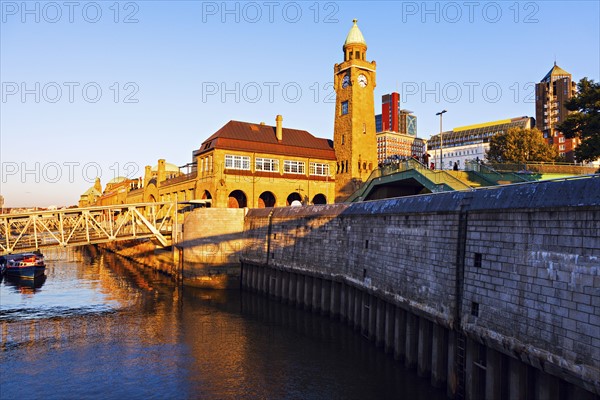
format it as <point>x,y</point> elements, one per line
<point>35,236</point>
<point>62,228</point>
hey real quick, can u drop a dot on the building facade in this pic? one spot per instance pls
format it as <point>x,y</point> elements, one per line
<point>395,144</point>
<point>551,94</point>
<point>354,125</point>
<point>390,112</point>
<point>469,143</point>
<point>408,123</point>
<point>257,165</point>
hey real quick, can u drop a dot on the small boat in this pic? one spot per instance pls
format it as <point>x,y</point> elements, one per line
<point>25,265</point>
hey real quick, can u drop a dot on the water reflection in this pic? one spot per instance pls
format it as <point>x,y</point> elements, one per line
<point>25,286</point>
<point>117,331</point>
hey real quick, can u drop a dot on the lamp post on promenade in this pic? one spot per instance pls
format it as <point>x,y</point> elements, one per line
<point>441,142</point>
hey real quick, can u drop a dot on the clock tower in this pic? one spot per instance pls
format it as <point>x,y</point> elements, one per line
<point>354,138</point>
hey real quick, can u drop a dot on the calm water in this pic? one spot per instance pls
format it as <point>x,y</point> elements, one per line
<point>98,327</point>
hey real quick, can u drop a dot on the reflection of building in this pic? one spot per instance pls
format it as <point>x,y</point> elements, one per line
<point>397,144</point>
<point>354,125</point>
<point>551,94</point>
<point>470,143</point>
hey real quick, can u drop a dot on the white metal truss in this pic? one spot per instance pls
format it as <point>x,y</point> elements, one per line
<point>80,226</point>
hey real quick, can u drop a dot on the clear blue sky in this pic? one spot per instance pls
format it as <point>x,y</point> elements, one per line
<point>106,88</point>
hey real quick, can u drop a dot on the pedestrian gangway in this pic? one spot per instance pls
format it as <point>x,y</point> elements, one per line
<point>90,225</point>
<point>397,173</point>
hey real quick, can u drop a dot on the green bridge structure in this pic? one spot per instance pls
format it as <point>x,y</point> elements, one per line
<point>410,177</point>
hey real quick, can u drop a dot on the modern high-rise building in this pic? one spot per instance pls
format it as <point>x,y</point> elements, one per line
<point>394,119</point>
<point>408,123</point>
<point>551,94</point>
<point>390,112</point>
<point>397,131</point>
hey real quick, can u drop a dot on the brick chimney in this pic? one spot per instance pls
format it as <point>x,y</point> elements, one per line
<point>278,128</point>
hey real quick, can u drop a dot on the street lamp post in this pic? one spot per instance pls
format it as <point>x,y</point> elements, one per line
<point>441,142</point>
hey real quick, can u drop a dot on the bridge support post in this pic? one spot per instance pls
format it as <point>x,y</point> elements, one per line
<point>547,386</point>
<point>278,283</point>
<point>389,328</point>
<point>400,334</point>
<point>292,288</point>
<point>412,337</point>
<point>358,309</point>
<point>316,295</point>
<point>517,379</point>
<point>283,291</point>
<point>334,308</point>
<point>266,275</point>
<point>326,288</point>
<point>380,323</point>
<point>300,290</point>
<point>308,288</point>
<point>493,374</point>
<point>424,348</point>
<point>343,301</point>
<point>439,356</point>
<point>259,275</point>
<point>371,310</point>
<point>255,277</point>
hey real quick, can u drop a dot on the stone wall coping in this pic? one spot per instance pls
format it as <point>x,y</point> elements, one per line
<point>584,192</point>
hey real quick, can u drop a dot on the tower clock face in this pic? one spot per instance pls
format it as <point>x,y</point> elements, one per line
<point>345,81</point>
<point>362,80</point>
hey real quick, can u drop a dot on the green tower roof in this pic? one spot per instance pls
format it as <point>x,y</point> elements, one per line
<point>355,36</point>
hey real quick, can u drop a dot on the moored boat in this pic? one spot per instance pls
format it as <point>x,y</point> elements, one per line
<point>25,265</point>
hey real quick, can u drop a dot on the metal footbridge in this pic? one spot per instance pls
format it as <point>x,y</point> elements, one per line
<point>36,230</point>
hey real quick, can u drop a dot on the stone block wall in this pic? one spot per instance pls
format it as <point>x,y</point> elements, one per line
<point>517,268</point>
<point>211,247</point>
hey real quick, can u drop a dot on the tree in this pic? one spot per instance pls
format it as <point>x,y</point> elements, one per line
<point>584,121</point>
<point>520,145</point>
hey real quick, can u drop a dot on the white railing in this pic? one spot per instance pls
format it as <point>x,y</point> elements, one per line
<point>81,226</point>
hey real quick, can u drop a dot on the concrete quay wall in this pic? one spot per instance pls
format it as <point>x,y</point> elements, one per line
<point>493,293</point>
<point>210,248</point>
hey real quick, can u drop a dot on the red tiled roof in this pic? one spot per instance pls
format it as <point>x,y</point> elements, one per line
<point>245,136</point>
